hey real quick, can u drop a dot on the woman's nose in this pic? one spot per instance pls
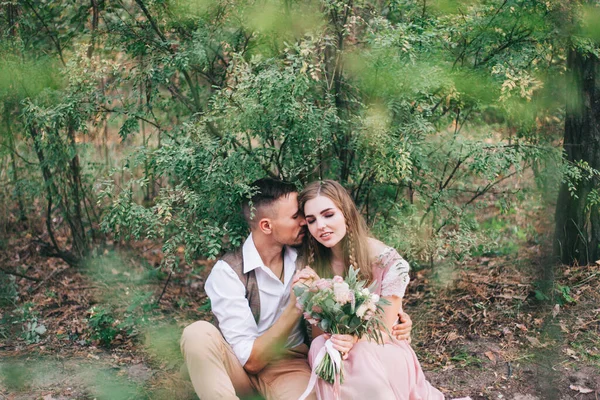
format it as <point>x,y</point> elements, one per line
<point>320,223</point>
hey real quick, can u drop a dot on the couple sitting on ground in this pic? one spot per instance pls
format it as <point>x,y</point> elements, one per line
<point>261,345</point>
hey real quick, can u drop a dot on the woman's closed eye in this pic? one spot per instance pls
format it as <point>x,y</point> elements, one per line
<point>326,215</point>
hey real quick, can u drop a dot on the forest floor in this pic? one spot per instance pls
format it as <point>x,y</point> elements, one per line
<point>485,328</point>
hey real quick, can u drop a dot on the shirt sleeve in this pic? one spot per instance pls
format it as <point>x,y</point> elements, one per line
<point>396,279</point>
<point>230,307</point>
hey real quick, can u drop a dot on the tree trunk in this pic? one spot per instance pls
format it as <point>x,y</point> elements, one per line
<point>15,170</point>
<point>80,241</point>
<point>577,221</point>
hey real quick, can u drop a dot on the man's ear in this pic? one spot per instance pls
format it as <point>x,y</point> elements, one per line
<point>265,226</point>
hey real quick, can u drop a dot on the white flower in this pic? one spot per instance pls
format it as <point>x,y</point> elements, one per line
<point>374,297</point>
<point>341,291</point>
<point>361,310</point>
<point>372,306</point>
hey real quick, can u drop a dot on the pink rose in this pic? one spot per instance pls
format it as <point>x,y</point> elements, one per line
<point>317,309</point>
<point>306,315</point>
<point>323,284</point>
<point>338,279</point>
<point>314,321</point>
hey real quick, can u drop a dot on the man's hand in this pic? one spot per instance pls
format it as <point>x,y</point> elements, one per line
<point>401,330</point>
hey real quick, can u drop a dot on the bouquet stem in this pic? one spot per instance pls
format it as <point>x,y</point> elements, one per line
<point>326,370</point>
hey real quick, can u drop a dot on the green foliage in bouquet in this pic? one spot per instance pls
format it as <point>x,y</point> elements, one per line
<point>342,306</point>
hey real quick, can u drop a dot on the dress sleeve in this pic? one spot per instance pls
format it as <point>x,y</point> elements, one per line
<point>396,279</point>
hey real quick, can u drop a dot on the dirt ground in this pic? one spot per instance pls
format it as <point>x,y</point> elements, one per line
<point>481,331</point>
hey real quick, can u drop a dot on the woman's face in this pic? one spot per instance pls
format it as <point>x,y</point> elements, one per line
<point>325,221</point>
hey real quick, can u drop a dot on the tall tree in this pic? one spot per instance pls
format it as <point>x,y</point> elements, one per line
<point>577,217</point>
<point>577,210</point>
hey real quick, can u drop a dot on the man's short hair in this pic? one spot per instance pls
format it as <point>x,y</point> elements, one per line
<point>268,191</point>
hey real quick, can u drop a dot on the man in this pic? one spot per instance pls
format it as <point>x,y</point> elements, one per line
<point>260,346</point>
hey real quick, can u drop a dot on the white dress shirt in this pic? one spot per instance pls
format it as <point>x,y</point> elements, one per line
<point>230,306</point>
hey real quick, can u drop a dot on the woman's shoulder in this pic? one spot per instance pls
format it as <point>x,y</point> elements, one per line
<point>378,250</point>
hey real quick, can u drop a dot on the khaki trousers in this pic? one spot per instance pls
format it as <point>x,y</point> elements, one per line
<point>217,374</point>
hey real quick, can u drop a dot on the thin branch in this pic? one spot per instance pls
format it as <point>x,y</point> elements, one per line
<point>124,112</point>
<point>478,193</point>
<point>152,22</point>
<point>165,287</point>
<point>52,37</point>
<point>46,279</point>
<point>31,278</point>
<point>488,187</point>
<point>14,151</point>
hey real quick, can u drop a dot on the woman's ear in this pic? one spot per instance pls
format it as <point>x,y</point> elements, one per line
<point>265,226</point>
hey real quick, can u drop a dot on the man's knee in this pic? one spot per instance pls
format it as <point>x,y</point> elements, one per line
<point>199,335</point>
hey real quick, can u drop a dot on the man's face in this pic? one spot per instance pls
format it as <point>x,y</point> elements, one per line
<point>288,225</point>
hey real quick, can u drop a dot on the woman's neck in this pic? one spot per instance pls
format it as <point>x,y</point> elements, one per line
<point>337,260</point>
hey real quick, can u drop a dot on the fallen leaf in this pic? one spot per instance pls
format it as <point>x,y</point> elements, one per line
<point>522,327</point>
<point>555,310</point>
<point>452,336</point>
<point>572,353</point>
<point>534,341</point>
<point>511,296</point>
<point>40,329</point>
<point>490,355</point>
<point>563,327</point>
<point>581,389</point>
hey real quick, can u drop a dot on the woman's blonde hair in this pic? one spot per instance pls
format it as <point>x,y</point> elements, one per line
<point>355,243</point>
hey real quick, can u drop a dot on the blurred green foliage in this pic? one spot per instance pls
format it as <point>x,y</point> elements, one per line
<point>420,109</point>
<point>8,290</point>
<point>148,119</point>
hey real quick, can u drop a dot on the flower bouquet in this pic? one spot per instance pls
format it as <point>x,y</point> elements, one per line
<point>340,306</point>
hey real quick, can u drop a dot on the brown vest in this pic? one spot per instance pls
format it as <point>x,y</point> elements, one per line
<point>236,263</point>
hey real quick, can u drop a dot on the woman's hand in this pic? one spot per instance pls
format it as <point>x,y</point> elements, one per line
<point>305,276</point>
<point>343,343</point>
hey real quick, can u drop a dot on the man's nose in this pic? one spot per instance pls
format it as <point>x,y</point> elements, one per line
<point>302,222</point>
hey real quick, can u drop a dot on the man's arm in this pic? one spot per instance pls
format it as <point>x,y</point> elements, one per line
<point>230,307</point>
<point>270,344</point>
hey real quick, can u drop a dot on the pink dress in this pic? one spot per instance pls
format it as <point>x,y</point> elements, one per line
<point>381,372</point>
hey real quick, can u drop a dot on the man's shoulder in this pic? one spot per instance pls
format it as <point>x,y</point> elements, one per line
<point>222,272</point>
<point>235,258</point>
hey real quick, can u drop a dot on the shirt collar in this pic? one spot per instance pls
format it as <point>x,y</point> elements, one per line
<point>252,259</point>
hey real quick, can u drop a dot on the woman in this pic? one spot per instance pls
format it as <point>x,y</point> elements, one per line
<point>339,238</point>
